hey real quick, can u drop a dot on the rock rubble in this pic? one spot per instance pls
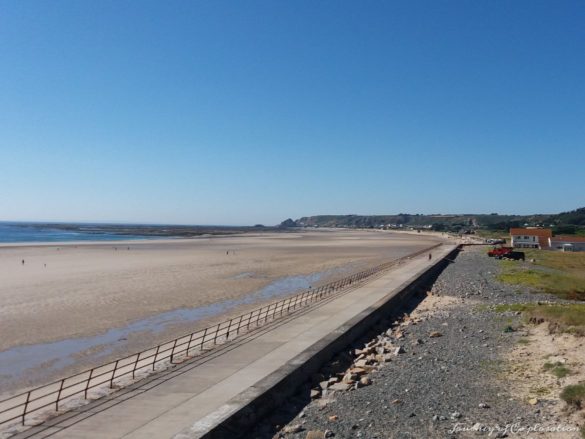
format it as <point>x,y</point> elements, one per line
<point>430,373</point>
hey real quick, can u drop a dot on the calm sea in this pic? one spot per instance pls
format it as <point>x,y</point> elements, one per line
<point>31,232</point>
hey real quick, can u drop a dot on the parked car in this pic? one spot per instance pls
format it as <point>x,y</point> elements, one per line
<point>514,256</point>
<point>498,252</point>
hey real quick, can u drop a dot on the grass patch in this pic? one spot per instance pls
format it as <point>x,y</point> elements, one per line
<point>574,395</point>
<point>540,391</point>
<point>558,369</point>
<point>492,365</point>
<point>512,307</point>
<point>561,317</point>
<point>563,261</point>
<point>564,275</point>
<point>566,318</point>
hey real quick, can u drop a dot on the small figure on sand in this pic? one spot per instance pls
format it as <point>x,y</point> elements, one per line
<point>430,256</point>
<point>23,262</point>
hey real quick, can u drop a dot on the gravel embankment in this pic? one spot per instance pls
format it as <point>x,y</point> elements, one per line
<point>439,383</point>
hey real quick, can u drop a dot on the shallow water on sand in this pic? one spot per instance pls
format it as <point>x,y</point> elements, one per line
<point>35,362</point>
<point>23,232</point>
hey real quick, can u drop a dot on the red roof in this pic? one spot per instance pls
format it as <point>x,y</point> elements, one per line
<point>565,238</point>
<point>543,233</point>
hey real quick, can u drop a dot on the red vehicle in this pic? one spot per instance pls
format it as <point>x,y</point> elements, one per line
<point>499,252</point>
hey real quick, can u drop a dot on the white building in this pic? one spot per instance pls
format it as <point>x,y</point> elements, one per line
<point>530,237</point>
<point>567,243</point>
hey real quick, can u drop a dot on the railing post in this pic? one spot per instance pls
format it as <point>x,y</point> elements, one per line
<point>203,339</point>
<point>227,335</point>
<point>59,395</point>
<point>189,343</point>
<point>25,407</point>
<point>173,350</point>
<point>114,374</point>
<point>216,334</point>
<point>88,383</point>
<point>155,355</point>
<point>135,364</point>
<point>239,324</point>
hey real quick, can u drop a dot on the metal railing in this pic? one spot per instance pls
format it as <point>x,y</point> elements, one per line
<point>97,382</point>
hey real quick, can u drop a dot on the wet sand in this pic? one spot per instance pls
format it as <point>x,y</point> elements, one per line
<point>80,291</point>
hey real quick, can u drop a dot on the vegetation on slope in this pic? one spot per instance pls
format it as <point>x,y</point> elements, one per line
<point>559,273</point>
<point>566,317</point>
<point>572,222</point>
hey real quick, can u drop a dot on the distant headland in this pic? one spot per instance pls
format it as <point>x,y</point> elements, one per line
<point>572,222</point>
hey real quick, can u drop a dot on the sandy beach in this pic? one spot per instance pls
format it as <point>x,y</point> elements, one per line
<point>71,291</point>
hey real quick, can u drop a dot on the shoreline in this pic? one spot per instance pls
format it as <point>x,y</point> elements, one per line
<point>25,233</point>
<point>146,239</point>
<point>75,291</point>
<point>108,242</point>
<point>54,359</point>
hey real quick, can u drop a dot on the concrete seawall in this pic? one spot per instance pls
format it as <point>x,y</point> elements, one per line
<point>241,413</point>
<point>225,393</point>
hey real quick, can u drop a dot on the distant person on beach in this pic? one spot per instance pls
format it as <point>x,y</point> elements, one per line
<point>23,262</point>
<point>430,256</point>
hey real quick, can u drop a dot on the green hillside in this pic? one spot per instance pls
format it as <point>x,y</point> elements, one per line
<point>572,222</point>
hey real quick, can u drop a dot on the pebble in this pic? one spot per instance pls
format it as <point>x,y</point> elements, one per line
<point>441,377</point>
<point>295,428</point>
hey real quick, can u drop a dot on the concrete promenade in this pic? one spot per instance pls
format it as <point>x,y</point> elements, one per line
<point>186,400</point>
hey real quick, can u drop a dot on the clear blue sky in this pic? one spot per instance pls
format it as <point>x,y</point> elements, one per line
<point>243,112</point>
